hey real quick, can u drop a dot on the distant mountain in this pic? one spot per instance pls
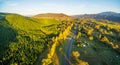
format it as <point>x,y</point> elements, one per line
<point>111,16</point>
<point>107,13</point>
<point>58,16</point>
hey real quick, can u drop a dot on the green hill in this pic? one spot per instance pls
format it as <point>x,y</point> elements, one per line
<point>22,38</point>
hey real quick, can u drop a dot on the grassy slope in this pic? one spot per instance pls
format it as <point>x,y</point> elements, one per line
<point>58,16</point>
<point>19,31</point>
<point>29,23</point>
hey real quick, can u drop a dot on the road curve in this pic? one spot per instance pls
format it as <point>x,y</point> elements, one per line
<point>67,62</point>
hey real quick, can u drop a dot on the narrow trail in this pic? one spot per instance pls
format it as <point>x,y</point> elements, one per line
<point>67,62</point>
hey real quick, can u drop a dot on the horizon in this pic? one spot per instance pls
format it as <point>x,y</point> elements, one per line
<point>69,7</point>
<point>59,13</point>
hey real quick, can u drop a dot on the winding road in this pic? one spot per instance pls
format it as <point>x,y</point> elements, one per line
<point>67,62</point>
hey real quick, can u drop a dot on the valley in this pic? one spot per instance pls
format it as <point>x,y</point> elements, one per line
<point>58,39</point>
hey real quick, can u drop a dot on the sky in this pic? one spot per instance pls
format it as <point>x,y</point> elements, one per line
<point>70,7</point>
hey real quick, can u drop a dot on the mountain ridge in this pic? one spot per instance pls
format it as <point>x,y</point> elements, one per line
<point>58,16</point>
<point>111,16</point>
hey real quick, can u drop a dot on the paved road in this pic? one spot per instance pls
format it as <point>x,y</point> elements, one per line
<point>67,62</point>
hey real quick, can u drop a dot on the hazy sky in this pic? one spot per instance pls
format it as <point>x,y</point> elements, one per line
<point>70,7</point>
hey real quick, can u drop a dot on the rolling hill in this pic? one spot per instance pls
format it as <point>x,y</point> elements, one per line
<point>23,39</point>
<point>58,16</point>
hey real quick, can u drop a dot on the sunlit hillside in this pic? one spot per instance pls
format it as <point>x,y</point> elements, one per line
<point>24,39</point>
<point>58,16</point>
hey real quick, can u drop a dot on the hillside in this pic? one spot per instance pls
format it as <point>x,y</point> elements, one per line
<point>58,16</point>
<point>111,16</point>
<point>23,39</point>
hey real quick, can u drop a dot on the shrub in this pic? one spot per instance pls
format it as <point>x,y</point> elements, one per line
<point>90,31</point>
<point>97,26</point>
<point>105,39</point>
<point>81,62</point>
<point>76,54</point>
<point>115,46</point>
<point>90,37</point>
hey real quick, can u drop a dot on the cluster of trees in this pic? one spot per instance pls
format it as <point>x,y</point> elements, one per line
<point>109,33</point>
<point>106,32</point>
<point>86,30</point>
<point>56,40</point>
<point>23,52</point>
<point>76,59</point>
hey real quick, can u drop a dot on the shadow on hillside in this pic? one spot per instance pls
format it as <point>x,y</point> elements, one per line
<point>7,35</point>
